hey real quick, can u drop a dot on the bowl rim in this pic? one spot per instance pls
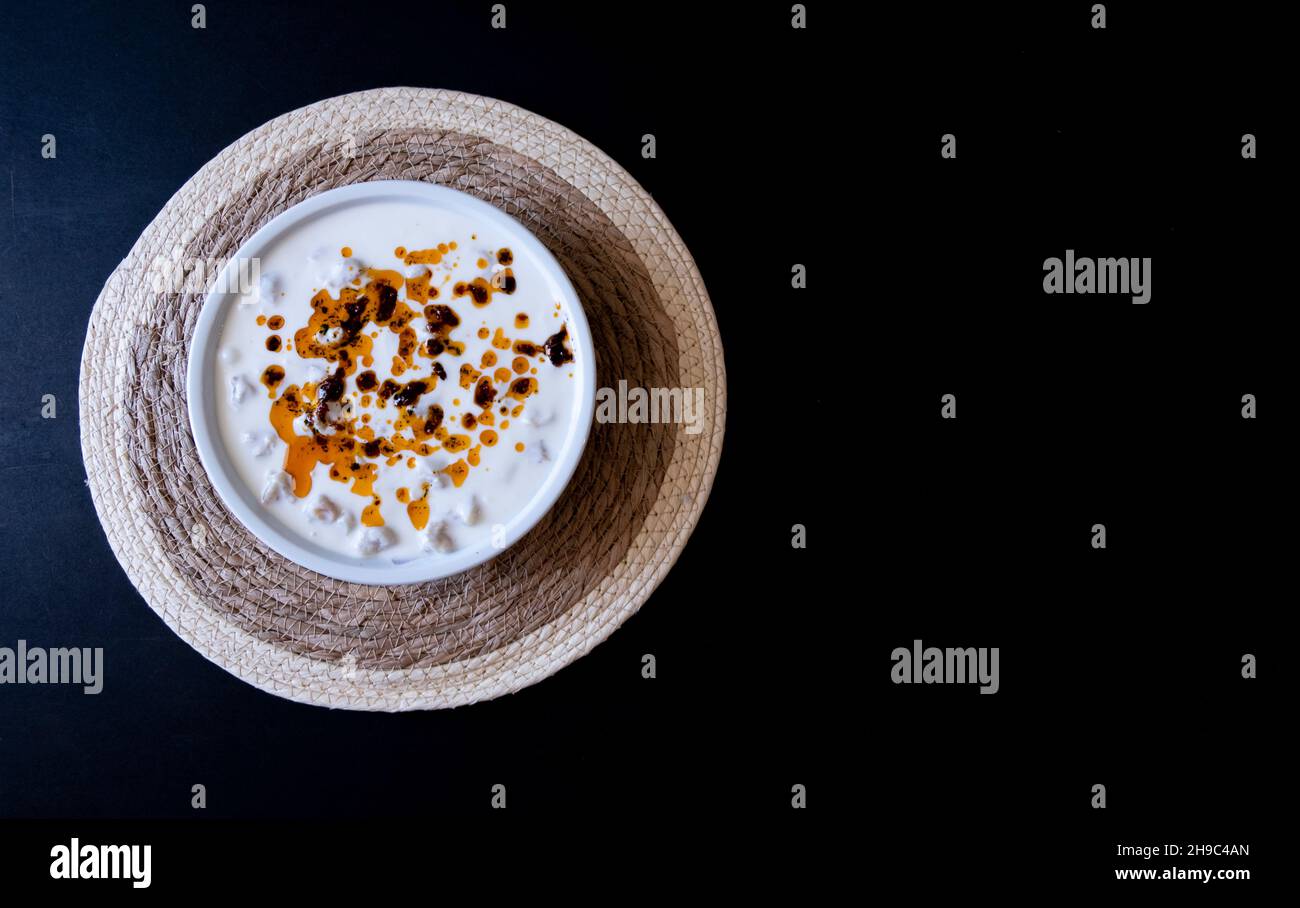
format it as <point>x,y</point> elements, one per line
<point>234,493</point>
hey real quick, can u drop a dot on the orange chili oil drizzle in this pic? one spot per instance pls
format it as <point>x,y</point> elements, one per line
<point>336,334</point>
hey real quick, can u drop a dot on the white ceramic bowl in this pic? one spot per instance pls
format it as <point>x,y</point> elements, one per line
<point>202,390</point>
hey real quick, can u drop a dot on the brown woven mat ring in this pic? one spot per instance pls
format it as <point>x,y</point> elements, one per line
<point>507,624</point>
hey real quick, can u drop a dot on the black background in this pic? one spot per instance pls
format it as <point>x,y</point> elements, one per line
<point>775,146</point>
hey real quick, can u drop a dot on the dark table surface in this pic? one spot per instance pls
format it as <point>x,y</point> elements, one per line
<point>775,146</point>
<point>138,100</point>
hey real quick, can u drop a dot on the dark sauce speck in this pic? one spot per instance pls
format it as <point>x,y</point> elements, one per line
<point>387,303</point>
<point>555,349</point>
<point>331,388</point>
<point>272,376</point>
<point>410,393</point>
<point>441,318</point>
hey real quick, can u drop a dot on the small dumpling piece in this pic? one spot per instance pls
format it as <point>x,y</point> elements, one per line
<point>267,292</point>
<point>334,273</point>
<point>429,473</point>
<point>239,389</point>
<point>324,510</point>
<point>469,511</point>
<point>437,538</point>
<point>336,413</point>
<point>259,444</point>
<point>270,289</point>
<point>436,479</point>
<point>351,268</point>
<point>279,484</point>
<point>373,540</point>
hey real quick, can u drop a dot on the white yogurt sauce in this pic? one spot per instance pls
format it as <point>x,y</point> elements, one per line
<point>309,259</point>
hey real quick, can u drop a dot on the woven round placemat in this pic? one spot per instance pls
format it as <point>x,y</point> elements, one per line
<point>565,587</point>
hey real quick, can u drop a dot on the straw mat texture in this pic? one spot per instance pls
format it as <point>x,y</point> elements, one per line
<point>561,590</point>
